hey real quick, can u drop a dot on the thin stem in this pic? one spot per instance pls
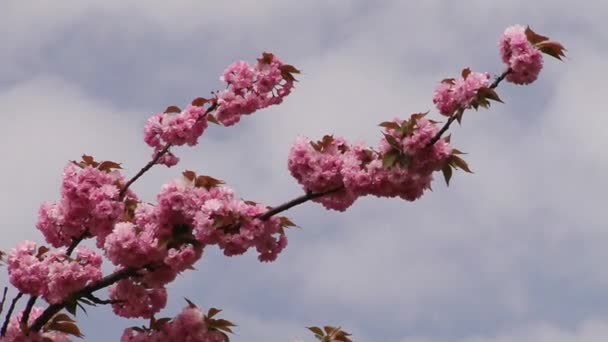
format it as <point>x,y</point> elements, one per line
<point>158,155</point>
<point>143,170</point>
<point>3,299</point>
<point>297,201</point>
<point>75,242</point>
<point>9,313</point>
<point>28,309</point>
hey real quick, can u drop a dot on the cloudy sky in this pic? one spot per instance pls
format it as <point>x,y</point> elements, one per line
<point>514,252</point>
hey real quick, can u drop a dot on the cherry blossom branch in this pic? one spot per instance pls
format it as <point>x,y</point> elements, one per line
<point>154,160</point>
<point>297,201</point>
<point>143,170</point>
<point>28,309</point>
<point>454,117</point>
<point>106,281</point>
<point>3,299</point>
<point>9,313</point>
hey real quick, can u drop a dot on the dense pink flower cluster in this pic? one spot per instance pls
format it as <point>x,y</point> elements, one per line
<point>15,334</point>
<point>188,326</point>
<point>135,298</point>
<point>401,167</point>
<point>523,59</point>
<point>452,95</point>
<point>253,87</point>
<point>175,129</point>
<point>51,274</point>
<point>88,204</point>
<point>170,236</point>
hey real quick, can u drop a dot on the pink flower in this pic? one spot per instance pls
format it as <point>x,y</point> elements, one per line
<point>136,299</point>
<point>523,59</point>
<point>452,95</point>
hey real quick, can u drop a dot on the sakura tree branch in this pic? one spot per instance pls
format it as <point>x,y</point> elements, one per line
<point>158,155</point>
<point>3,299</point>
<point>143,170</point>
<point>9,313</point>
<point>28,309</point>
<point>453,118</point>
<point>297,201</point>
<point>312,195</point>
<point>106,281</point>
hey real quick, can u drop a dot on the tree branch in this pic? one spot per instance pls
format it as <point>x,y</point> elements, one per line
<point>452,118</point>
<point>9,313</point>
<point>106,281</point>
<point>28,309</point>
<point>3,299</point>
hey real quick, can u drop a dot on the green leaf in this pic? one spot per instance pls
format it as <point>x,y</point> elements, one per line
<point>447,173</point>
<point>389,159</point>
<point>212,119</point>
<point>286,222</point>
<point>458,162</point>
<point>316,331</point>
<point>390,125</point>
<point>392,141</point>
<point>459,116</point>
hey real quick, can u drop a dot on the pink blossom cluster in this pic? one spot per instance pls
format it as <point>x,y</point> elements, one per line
<point>88,204</point>
<point>15,334</point>
<point>134,298</point>
<point>523,59</point>
<point>402,166</point>
<point>452,95</point>
<point>52,274</point>
<point>169,238</point>
<point>253,87</point>
<point>175,129</point>
<point>188,326</point>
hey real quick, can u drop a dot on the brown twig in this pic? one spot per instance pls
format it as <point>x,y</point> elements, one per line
<point>297,201</point>
<point>9,313</point>
<point>143,170</point>
<point>3,299</point>
<point>28,309</point>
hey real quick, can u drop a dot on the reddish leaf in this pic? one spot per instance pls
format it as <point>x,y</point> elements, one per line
<point>212,119</point>
<point>189,175</point>
<point>534,37</point>
<point>199,101</point>
<point>212,312</point>
<point>553,49</point>
<point>207,182</point>
<point>267,58</point>
<point>108,166</point>
<point>465,73</point>
<point>173,109</point>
